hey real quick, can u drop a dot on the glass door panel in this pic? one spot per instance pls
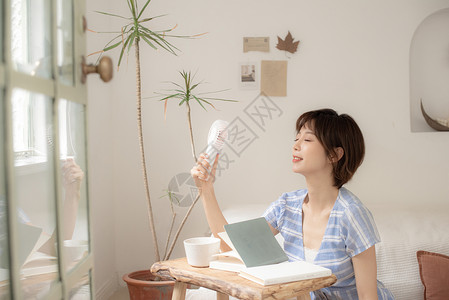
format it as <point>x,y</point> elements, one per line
<point>4,261</point>
<point>43,192</point>
<point>65,41</point>
<point>35,191</point>
<point>72,144</point>
<point>31,37</point>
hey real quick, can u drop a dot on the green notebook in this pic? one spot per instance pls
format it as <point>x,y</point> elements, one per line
<point>255,243</point>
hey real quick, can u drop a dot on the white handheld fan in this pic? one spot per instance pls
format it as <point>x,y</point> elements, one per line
<point>218,134</point>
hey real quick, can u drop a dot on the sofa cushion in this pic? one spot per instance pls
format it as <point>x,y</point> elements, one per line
<point>434,272</point>
<point>404,230</point>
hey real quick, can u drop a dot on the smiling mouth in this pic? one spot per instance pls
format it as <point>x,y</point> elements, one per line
<point>296,158</point>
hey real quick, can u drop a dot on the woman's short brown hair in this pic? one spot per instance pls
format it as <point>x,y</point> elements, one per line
<point>333,131</point>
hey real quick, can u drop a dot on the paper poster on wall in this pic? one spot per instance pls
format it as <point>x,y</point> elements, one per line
<point>249,76</point>
<point>261,44</point>
<point>273,80</point>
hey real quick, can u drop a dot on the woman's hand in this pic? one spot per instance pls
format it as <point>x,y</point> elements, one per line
<point>203,174</point>
<point>72,175</point>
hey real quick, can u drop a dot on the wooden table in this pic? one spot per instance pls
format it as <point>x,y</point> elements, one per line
<point>231,284</point>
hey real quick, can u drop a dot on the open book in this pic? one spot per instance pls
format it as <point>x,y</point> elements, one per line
<point>227,261</point>
<point>39,263</point>
<point>257,256</point>
<point>243,238</point>
<point>35,262</point>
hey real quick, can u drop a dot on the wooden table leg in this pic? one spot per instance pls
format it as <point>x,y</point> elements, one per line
<point>221,296</point>
<point>179,291</point>
<point>304,297</point>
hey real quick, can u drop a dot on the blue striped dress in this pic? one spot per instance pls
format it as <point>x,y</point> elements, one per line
<point>350,231</point>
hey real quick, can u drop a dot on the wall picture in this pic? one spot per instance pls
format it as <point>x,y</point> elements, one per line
<point>249,76</point>
<point>274,78</point>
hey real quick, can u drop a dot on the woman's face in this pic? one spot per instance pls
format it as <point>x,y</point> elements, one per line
<point>309,156</point>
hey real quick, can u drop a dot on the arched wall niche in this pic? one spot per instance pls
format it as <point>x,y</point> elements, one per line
<point>429,71</point>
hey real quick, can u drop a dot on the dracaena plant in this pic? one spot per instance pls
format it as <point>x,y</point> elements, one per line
<point>184,93</point>
<point>135,30</point>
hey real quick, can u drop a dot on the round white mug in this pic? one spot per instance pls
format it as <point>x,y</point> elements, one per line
<point>75,249</point>
<point>199,250</point>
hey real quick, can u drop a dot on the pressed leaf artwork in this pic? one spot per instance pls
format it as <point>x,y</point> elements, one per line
<point>287,44</point>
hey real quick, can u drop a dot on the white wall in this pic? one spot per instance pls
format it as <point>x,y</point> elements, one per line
<point>353,57</point>
<point>100,159</point>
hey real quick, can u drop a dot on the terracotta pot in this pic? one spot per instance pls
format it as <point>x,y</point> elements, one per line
<point>141,285</point>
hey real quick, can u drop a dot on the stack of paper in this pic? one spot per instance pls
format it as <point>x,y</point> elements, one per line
<point>257,255</point>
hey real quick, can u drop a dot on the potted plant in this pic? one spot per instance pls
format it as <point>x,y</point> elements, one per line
<point>131,35</point>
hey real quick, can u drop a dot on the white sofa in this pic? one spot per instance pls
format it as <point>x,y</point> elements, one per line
<point>403,230</point>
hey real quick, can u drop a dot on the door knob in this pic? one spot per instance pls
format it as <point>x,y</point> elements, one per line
<point>104,69</point>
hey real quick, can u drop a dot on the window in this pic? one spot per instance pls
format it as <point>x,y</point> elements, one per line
<point>32,130</point>
<point>31,37</point>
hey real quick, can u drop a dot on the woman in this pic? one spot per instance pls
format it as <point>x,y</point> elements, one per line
<point>325,224</point>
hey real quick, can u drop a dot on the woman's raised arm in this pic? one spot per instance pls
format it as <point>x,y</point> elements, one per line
<point>204,181</point>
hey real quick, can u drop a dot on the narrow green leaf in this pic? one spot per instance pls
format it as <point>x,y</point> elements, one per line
<point>200,102</point>
<point>174,36</point>
<point>149,19</point>
<point>111,47</point>
<point>123,49</point>
<point>132,7</point>
<point>202,99</point>
<point>125,29</point>
<point>178,85</point>
<point>108,43</point>
<point>107,32</point>
<point>158,95</point>
<point>220,99</point>
<point>185,81</point>
<point>145,6</point>
<point>156,36</point>
<point>168,44</point>
<point>99,57</point>
<point>164,32</point>
<point>148,36</point>
<point>175,90</point>
<point>111,15</point>
<point>189,81</point>
<point>171,96</point>
<point>195,85</point>
<point>152,34</point>
<point>219,91</point>
<point>133,36</point>
<point>183,100</point>
<point>121,55</point>
<point>205,101</point>
<point>129,5</point>
<point>148,42</point>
